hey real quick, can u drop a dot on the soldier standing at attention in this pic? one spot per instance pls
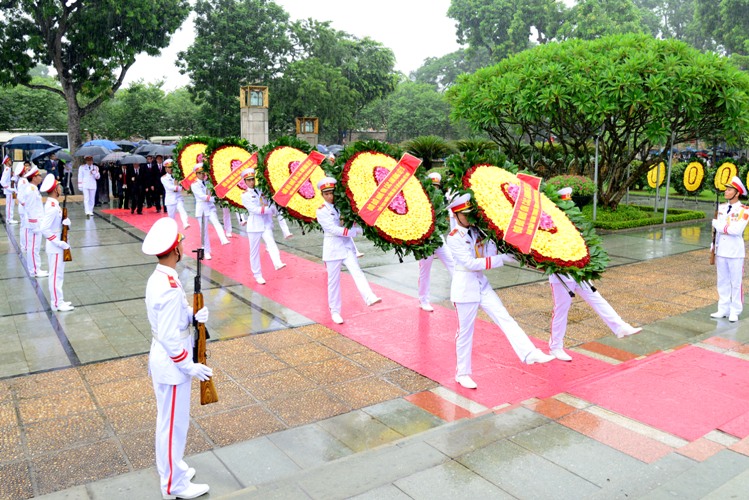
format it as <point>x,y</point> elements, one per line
<point>471,289</point>
<point>51,229</point>
<point>170,361</point>
<point>34,217</point>
<point>729,251</point>
<point>338,249</point>
<point>88,174</point>
<point>7,183</point>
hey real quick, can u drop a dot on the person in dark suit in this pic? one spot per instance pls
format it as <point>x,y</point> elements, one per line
<point>138,182</point>
<point>120,178</point>
<point>57,167</point>
<point>150,188</point>
<point>159,192</point>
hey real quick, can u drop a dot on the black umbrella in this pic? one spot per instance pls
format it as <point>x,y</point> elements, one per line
<point>40,156</point>
<point>126,145</point>
<point>144,149</point>
<point>28,143</point>
<point>94,151</point>
<point>133,159</point>
<point>64,156</point>
<point>163,150</point>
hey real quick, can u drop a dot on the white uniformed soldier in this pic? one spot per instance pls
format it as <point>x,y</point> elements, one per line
<point>204,205</point>
<point>729,228</point>
<point>338,249</point>
<point>471,289</point>
<point>425,265</point>
<point>170,361</point>
<point>259,225</point>
<point>34,217</point>
<point>561,287</point>
<point>88,174</point>
<point>51,229</point>
<point>22,183</point>
<point>8,184</point>
<point>173,201</point>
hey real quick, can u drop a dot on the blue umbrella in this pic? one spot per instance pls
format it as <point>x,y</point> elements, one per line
<point>28,143</point>
<point>41,155</point>
<point>105,143</point>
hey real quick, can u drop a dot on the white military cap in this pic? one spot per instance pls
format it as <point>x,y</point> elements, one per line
<point>48,184</point>
<point>326,184</point>
<point>162,238</point>
<point>32,171</point>
<point>461,203</point>
<point>168,162</point>
<point>738,185</point>
<point>436,177</point>
<point>248,173</point>
<point>18,169</point>
<point>565,193</point>
<point>198,167</point>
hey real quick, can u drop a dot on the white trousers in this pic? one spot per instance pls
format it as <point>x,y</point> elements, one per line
<point>730,290</point>
<point>227,220</point>
<point>562,303</point>
<point>284,226</point>
<point>172,422</point>
<point>24,233</point>
<point>89,197</point>
<point>270,245</point>
<point>425,267</point>
<point>179,207</point>
<point>213,218</point>
<point>56,277</point>
<point>33,244</point>
<point>334,281</point>
<point>491,304</point>
<point>9,202</point>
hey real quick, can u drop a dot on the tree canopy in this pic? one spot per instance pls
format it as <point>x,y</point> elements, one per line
<point>91,44</point>
<point>633,91</point>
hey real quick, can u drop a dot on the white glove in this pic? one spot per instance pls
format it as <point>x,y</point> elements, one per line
<point>198,371</point>
<point>202,315</point>
<point>63,245</point>
<point>718,224</point>
<point>496,261</point>
<point>66,222</point>
<point>508,258</point>
<point>355,231</point>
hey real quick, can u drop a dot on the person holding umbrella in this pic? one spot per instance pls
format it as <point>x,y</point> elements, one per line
<point>138,182</point>
<point>88,174</point>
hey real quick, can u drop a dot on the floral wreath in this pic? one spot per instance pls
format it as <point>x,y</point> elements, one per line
<point>186,154</point>
<point>221,151</point>
<point>416,218</point>
<point>565,241</point>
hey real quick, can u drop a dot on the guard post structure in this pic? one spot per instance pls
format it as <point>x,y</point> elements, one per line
<point>253,104</point>
<point>307,129</point>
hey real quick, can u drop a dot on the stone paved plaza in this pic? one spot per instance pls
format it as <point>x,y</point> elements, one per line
<point>307,412</point>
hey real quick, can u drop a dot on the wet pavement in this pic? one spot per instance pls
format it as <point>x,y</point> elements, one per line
<point>306,412</point>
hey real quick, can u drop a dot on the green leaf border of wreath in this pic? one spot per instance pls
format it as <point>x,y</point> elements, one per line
<point>261,179</point>
<point>212,145</point>
<point>182,144</point>
<point>459,164</point>
<point>348,217</point>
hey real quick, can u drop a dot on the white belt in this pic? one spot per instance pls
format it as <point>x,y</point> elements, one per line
<point>183,334</point>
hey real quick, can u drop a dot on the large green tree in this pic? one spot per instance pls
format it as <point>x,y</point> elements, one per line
<point>22,108</point>
<point>591,19</point>
<point>635,92</point>
<point>442,72</point>
<point>91,44</point>
<point>237,42</point>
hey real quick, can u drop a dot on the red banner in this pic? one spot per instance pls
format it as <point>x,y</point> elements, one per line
<point>527,214</point>
<point>389,188</point>
<point>235,177</point>
<point>297,178</point>
<point>187,181</point>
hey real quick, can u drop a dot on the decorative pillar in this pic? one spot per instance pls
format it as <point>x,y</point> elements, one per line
<point>253,104</point>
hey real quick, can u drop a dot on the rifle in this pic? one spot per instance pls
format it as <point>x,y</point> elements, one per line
<point>208,393</point>
<point>712,247</point>
<point>66,255</point>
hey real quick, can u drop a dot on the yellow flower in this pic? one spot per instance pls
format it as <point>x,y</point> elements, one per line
<point>189,156</point>
<point>693,175</point>
<point>279,165</point>
<point>221,166</point>
<point>724,174</point>
<point>656,170</point>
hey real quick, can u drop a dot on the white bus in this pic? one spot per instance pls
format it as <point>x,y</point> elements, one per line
<point>59,138</point>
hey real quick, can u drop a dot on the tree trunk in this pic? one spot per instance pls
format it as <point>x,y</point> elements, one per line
<point>74,124</point>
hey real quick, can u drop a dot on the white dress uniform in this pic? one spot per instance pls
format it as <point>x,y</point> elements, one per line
<point>425,269</point>
<point>471,289</point>
<point>34,217</point>
<point>51,229</point>
<point>87,177</point>
<point>337,249</point>
<point>204,205</point>
<point>260,225</point>
<point>560,284</point>
<point>21,190</point>
<point>729,256</point>
<point>6,181</point>
<point>173,200</point>
<point>228,228</point>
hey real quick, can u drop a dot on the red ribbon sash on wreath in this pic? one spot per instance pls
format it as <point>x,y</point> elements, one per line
<point>187,181</point>
<point>301,175</point>
<point>234,177</point>
<point>526,215</point>
<point>389,188</point>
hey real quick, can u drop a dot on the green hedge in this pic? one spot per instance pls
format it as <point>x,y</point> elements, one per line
<point>626,216</point>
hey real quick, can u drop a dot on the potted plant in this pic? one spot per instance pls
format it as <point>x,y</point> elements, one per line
<point>583,187</point>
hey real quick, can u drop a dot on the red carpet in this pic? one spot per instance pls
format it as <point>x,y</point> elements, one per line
<point>395,328</point>
<point>688,392</point>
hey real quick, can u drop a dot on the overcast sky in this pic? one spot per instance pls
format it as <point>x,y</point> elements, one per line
<point>413,29</point>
